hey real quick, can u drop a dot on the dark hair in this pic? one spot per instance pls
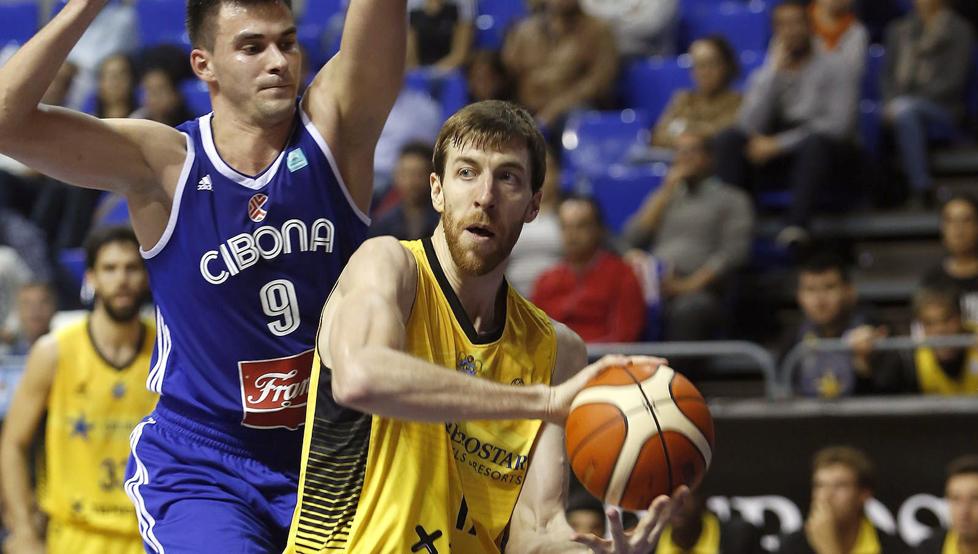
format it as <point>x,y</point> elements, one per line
<point>853,458</point>
<point>199,13</point>
<point>590,201</point>
<point>822,262</point>
<point>418,148</point>
<point>963,465</point>
<point>944,293</point>
<point>102,236</point>
<point>99,103</point>
<point>965,197</point>
<point>492,124</point>
<point>727,55</point>
<point>799,4</point>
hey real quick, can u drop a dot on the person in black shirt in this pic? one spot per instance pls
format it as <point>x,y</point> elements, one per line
<point>440,34</point>
<point>959,268</point>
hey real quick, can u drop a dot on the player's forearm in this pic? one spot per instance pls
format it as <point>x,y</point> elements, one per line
<point>27,75</point>
<point>18,498</point>
<point>390,383</point>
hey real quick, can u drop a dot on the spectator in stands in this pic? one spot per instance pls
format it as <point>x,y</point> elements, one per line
<point>114,31</point>
<point>486,77</point>
<point>828,303</point>
<point>942,370</point>
<point>36,305</point>
<point>843,480</point>
<point>162,100</point>
<point>415,117</point>
<point>641,28</point>
<point>959,268</point>
<point>561,59</point>
<point>694,529</point>
<point>797,122</point>
<point>592,291</point>
<point>539,246</point>
<point>928,55</point>
<point>711,106</point>
<point>700,228</point>
<point>585,514</point>
<point>961,491</point>
<point>116,96</point>
<point>412,217</point>
<point>837,31</point>
<point>440,33</point>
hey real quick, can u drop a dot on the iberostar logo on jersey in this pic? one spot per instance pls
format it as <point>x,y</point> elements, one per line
<point>485,458</point>
<point>274,392</point>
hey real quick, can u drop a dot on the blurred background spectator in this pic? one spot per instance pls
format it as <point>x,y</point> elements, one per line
<point>941,369</point>
<point>959,268</point>
<point>539,246</point>
<point>415,117</point>
<point>561,59</point>
<point>411,215</point>
<point>698,228</point>
<point>961,492</point>
<point>585,514</point>
<point>797,123</point>
<point>593,291</point>
<point>711,106</point>
<point>838,31</point>
<point>927,66</point>
<point>440,33</point>
<point>695,529</point>
<point>36,305</point>
<point>843,480</point>
<point>116,93</point>
<point>486,77</point>
<point>640,27</point>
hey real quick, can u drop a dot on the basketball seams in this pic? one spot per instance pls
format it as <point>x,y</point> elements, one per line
<point>598,430</point>
<point>655,418</point>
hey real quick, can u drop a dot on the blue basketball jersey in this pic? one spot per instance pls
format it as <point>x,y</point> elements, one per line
<point>240,277</point>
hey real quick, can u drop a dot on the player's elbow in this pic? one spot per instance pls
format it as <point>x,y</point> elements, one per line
<point>351,386</point>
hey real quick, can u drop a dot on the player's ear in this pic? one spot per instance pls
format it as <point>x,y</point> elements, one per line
<point>200,62</point>
<point>534,210</point>
<point>437,193</point>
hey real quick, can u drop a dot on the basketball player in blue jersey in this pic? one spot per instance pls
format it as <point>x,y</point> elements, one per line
<point>245,217</point>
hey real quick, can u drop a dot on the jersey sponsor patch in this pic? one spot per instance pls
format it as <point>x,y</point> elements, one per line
<point>296,160</point>
<point>274,392</point>
<point>256,207</point>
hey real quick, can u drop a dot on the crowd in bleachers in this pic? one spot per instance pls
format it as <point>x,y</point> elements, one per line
<point>676,127</point>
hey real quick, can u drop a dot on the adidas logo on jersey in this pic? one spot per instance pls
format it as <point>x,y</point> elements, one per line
<point>205,183</point>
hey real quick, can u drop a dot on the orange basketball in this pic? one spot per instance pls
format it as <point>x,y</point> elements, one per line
<point>637,431</point>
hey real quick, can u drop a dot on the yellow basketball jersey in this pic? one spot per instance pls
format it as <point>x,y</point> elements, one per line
<point>92,408</point>
<point>377,485</point>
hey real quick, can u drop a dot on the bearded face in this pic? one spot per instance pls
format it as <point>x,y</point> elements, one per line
<point>485,198</point>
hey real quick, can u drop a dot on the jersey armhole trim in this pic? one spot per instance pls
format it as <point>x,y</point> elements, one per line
<point>316,136</point>
<point>171,223</point>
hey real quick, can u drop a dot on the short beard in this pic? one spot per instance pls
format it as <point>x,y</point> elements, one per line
<point>468,262</point>
<point>124,314</point>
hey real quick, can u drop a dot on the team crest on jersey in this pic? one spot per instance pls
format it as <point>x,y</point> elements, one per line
<point>468,364</point>
<point>256,207</point>
<point>274,392</point>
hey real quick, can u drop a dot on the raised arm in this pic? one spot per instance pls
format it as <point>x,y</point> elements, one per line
<point>126,156</point>
<point>539,524</point>
<point>351,97</point>
<point>19,430</point>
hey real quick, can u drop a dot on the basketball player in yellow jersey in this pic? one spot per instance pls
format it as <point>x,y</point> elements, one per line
<point>434,417</point>
<point>90,379</point>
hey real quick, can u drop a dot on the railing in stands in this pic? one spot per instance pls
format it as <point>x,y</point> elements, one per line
<point>702,349</point>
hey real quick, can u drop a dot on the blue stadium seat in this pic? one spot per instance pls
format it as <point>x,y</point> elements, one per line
<point>746,25</point>
<point>621,190</point>
<point>19,21</point>
<point>494,19</point>
<point>870,126</point>
<point>648,85</point>
<point>320,28</point>
<point>750,61</point>
<point>162,22</point>
<point>73,262</point>
<point>112,209</point>
<point>196,96</point>
<point>448,89</point>
<point>875,58</point>
<point>595,140</point>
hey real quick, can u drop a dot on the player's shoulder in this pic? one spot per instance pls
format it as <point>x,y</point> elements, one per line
<point>387,250</point>
<point>43,355</point>
<point>381,261</point>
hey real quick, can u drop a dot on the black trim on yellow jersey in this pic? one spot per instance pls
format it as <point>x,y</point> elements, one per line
<point>460,316</point>
<point>135,354</point>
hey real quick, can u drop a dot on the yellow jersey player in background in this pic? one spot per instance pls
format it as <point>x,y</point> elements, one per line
<point>89,378</point>
<point>434,416</point>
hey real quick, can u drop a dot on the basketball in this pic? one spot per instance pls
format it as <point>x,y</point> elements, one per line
<point>636,432</point>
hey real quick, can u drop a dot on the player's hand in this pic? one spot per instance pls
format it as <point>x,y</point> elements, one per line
<point>562,395</point>
<point>646,534</point>
<point>23,543</point>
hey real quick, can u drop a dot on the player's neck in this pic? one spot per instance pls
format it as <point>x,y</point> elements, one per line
<point>116,340</point>
<point>848,534</point>
<point>479,294</point>
<point>246,146</point>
